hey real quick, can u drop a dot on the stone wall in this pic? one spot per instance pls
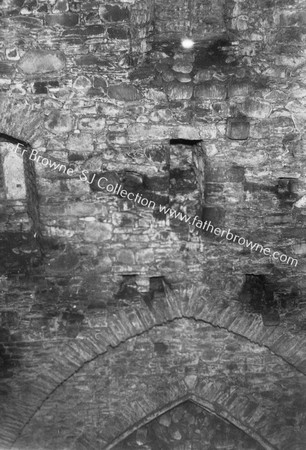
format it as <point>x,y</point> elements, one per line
<point>218,131</point>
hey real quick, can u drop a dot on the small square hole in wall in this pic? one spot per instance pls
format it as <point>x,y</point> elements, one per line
<point>286,188</point>
<point>237,128</point>
<point>157,284</point>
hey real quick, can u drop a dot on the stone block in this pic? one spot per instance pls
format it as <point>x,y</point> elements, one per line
<point>145,256</point>
<point>96,125</point>
<point>61,6</point>
<point>271,319</point>
<point>179,91</point>
<point>64,263</point>
<point>212,214</point>
<point>203,75</point>
<point>124,92</point>
<point>6,68</point>
<point>210,90</point>
<point>182,66</point>
<point>98,232</point>
<point>40,61</point>
<point>59,122</point>
<point>12,54</point>
<point>118,32</point>
<point>141,132</point>
<point>234,174</point>
<point>91,60</point>
<point>90,30</point>
<point>114,13</point>
<point>237,129</point>
<point>256,108</point>
<point>82,83</point>
<point>239,89</point>
<point>64,20</point>
<point>82,142</point>
<point>125,256</point>
<point>41,87</point>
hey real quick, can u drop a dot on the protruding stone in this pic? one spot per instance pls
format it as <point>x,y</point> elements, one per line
<point>40,61</point>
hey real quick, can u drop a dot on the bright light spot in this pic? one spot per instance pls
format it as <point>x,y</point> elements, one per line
<point>187,43</point>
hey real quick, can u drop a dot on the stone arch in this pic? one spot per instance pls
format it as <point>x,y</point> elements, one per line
<point>166,375</point>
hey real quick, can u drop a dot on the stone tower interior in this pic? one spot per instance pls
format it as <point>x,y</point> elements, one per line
<point>124,323</point>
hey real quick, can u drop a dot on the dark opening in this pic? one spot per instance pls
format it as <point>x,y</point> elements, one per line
<point>185,141</point>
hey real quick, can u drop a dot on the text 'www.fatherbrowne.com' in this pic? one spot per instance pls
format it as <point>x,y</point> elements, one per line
<point>193,222</point>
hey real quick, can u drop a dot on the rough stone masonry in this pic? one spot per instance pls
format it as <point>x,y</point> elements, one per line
<point>120,328</point>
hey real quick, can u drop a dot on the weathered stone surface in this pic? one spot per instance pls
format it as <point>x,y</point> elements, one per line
<point>40,61</point>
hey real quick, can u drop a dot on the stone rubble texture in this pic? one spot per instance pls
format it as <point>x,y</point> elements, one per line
<point>120,327</point>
